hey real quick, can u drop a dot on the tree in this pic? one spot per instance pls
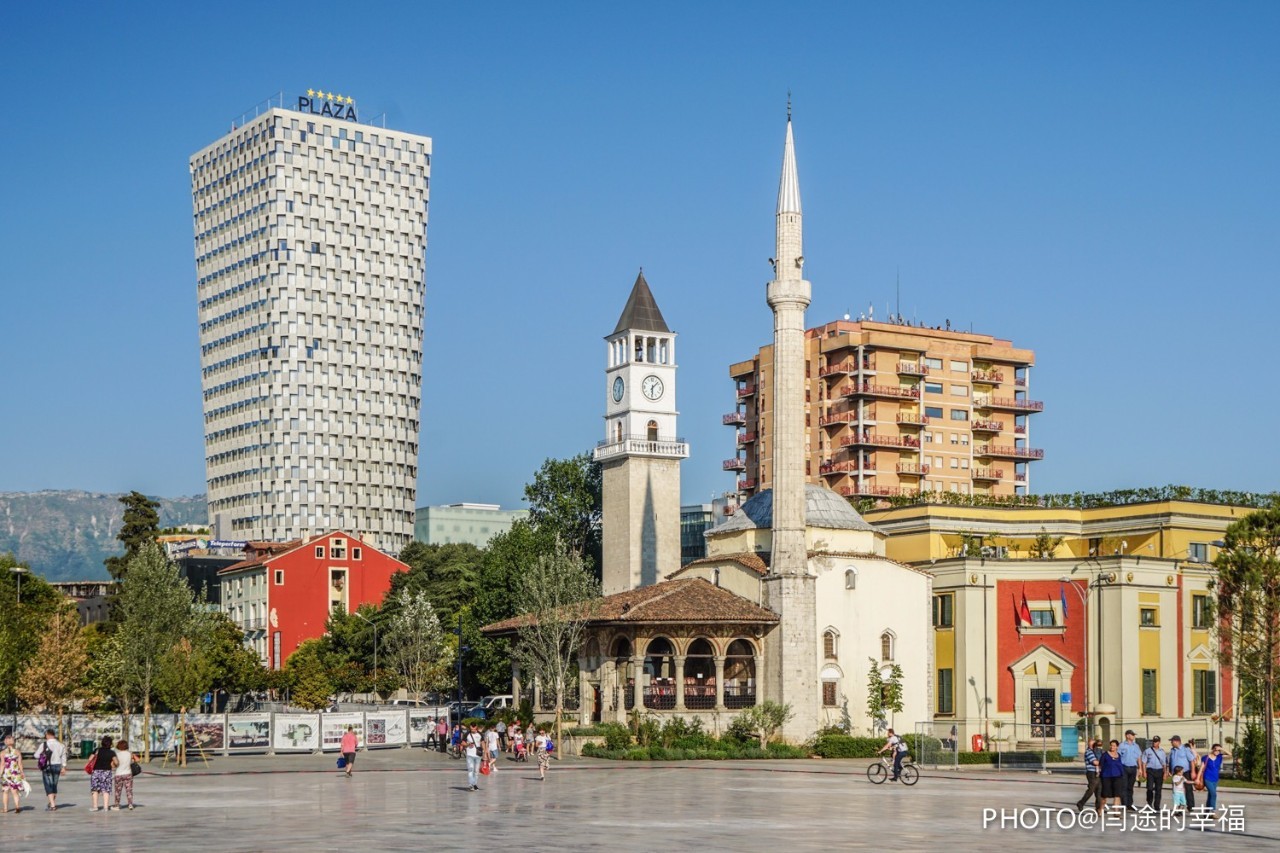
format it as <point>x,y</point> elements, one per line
<point>184,676</point>
<point>141,525</point>
<point>415,644</point>
<point>1247,606</point>
<point>155,612</point>
<point>448,574</point>
<point>1044,546</point>
<point>875,694</point>
<point>232,666</point>
<point>559,596</point>
<point>23,623</point>
<point>58,674</point>
<point>565,501</point>
<point>307,677</point>
<point>765,719</point>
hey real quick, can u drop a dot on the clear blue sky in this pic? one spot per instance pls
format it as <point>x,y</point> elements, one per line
<point>1099,182</point>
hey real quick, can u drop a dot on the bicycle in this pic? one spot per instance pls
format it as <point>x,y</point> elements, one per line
<point>877,773</point>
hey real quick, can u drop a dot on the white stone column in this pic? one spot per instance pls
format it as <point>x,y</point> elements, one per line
<point>719,661</point>
<point>679,662</point>
<point>637,669</point>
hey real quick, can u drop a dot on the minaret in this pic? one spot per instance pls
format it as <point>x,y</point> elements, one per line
<point>640,455</point>
<point>789,586</point>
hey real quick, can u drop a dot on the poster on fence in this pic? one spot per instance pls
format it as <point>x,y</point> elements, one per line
<point>385,728</point>
<point>421,725</point>
<point>249,731</point>
<point>162,731</point>
<point>94,728</point>
<point>332,727</point>
<point>297,732</point>
<point>206,732</point>
<point>29,729</point>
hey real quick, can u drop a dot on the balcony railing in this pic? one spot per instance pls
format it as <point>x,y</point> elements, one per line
<point>867,389</point>
<point>734,464</point>
<point>831,468</point>
<point>1008,452</point>
<point>1017,405</point>
<point>734,419</point>
<point>1020,429</point>
<point>991,376</point>
<point>988,473</point>
<point>878,440</point>
<point>913,419</point>
<point>745,438</point>
<point>739,697</point>
<point>642,447</point>
<point>745,483</point>
<point>746,391</point>
<point>876,491</point>
<point>838,418</point>
<point>1020,478</point>
<point>988,426</point>
<point>838,369</point>
<point>1020,381</point>
<point>913,368</point>
<point>661,698</point>
<point>913,469</point>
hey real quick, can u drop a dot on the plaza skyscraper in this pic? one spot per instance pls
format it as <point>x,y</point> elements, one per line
<point>310,239</point>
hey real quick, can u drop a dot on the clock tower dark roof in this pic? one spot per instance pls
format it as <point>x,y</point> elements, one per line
<point>642,311</point>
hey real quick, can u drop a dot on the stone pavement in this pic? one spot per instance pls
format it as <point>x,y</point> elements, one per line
<point>404,799</point>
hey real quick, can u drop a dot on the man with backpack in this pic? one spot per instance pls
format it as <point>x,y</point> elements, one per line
<point>51,758</point>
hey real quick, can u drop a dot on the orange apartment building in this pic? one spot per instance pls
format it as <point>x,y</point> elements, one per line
<point>896,409</point>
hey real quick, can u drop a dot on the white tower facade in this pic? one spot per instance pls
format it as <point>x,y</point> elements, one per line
<point>641,451</point>
<point>310,242</point>
<point>790,588</point>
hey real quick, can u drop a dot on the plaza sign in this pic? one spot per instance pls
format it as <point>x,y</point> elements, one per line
<point>321,103</point>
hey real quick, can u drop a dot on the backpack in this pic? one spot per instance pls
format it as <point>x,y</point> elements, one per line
<point>42,760</point>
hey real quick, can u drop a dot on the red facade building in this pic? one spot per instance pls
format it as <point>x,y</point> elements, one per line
<point>284,592</point>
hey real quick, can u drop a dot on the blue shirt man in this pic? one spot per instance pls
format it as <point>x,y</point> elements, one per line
<point>1129,755</point>
<point>1154,762</point>
<point>1184,757</point>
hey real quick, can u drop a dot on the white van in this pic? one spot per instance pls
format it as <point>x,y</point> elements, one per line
<point>497,702</point>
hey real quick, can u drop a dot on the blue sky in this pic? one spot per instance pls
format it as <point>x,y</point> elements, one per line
<point>1096,181</point>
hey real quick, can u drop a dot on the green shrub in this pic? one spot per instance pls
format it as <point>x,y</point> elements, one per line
<point>616,735</point>
<point>846,746</point>
<point>640,753</point>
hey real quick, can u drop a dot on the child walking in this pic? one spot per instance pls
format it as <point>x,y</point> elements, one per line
<point>1179,791</point>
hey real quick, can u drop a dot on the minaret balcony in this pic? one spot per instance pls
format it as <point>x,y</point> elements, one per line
<point>880,440</point>
<point>868,389</point>
<point>734,464</point>
<point>734,419</point>
<point>1007,452</point>
<point>988,426</point>
<point>745,438</point>
<point>1012,404</point>
<point>667,448</point>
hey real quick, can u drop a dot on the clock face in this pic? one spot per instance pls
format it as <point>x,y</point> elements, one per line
<point>652,387</point>
<point>618,387</point>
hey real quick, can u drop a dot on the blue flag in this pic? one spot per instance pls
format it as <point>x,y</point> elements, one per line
<point>1062,594</point>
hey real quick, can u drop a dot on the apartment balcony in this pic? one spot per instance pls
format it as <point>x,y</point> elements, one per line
<point>1007,452</point>
<point>841,369</point>
<point>734,419</point>
<point>1020,477</point>
<point>895,392</point>
<point>745,438</point>
<point>832,468</point>
<point>913,469</point>
<point>913,368</point>
<point>745,484</point>
<point>912,419</point>
<point>988,426</point>
<point>746,391</point>
<point>1010,403</point>
<point>838,418</point>
<point>989,376</point>
<point>1020,381</point>
<point>671,448</point>
<point>876,491</point>
<point>880,440</point>
<point>987,473</point>
<point>1020,429</point>
<point>734,464</point>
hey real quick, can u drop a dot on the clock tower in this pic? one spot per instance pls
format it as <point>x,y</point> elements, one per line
<point>640,455</point>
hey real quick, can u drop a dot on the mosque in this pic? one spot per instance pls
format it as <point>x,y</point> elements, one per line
<point>795,601</point>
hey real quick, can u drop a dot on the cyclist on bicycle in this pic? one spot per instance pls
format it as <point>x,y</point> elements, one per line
<point>899,747</point>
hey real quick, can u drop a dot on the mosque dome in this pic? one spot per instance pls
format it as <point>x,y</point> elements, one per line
<point>822,508</point>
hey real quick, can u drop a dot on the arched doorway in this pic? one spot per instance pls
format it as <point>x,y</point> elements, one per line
<point>660,675</point>
<point>700,676</point>
<point>652,430</point>
<point>740,675</point>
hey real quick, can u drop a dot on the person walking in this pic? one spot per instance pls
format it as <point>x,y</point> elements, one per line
<point>1093,784</point>
<point>11,776</point>
<point>1210,772</point>
<point>1130,753</point>
<point>1183,758</point>
<point>502,735</point>
<point>442,733</point>
<point>1154,763</point>
<point>101,779</point>
<point>1111,775</point>
<point>349,749</point>
<point>540,744</point>
<point>491,744</point>
<point>122,769</point>
<point>474,745</point>
<point>52,758</point>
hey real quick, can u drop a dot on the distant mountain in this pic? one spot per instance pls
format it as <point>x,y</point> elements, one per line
<point>65,535</point>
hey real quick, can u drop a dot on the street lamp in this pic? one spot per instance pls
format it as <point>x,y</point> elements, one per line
<point>375,646</point>
<point>18,572</point>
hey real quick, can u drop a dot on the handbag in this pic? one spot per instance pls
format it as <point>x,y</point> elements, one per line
<point>135,768</point>
<point>484,768</point>
<point>89,765</point>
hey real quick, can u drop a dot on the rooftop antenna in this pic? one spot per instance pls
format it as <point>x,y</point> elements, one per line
<point>897,285</point>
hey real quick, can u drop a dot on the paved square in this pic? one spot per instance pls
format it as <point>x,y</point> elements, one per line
<point>403,799</point>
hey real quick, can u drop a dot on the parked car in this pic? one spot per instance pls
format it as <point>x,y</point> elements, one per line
<point>459,711</point>
<point>497,702</point>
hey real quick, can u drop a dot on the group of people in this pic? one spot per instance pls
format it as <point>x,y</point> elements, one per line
<point>1111,774</point>
<point>482,749</point>
<point>111,770</point>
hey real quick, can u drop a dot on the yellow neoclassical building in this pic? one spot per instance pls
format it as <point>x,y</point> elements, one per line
<point>1043,614</point>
